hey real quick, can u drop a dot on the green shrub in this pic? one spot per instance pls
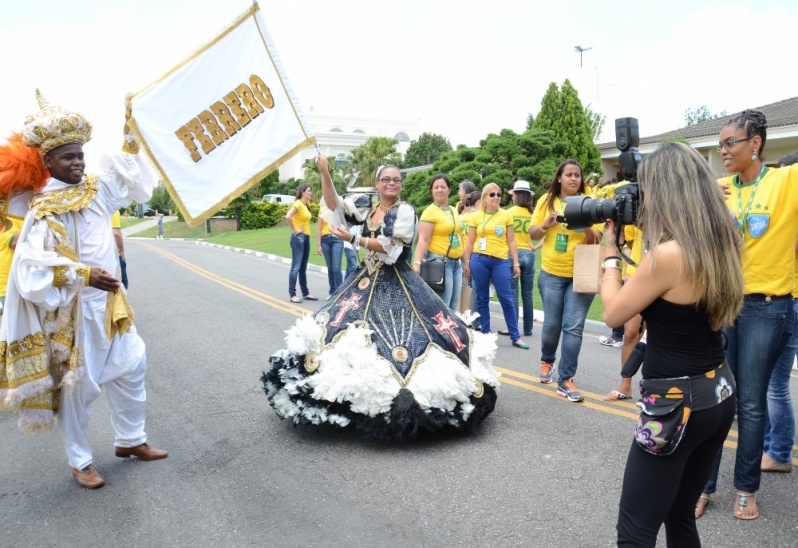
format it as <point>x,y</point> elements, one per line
<point>262,215</point>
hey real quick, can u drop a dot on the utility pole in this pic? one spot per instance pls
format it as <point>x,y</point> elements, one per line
<point>580,50</point>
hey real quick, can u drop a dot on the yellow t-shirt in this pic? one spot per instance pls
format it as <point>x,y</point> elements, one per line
<point>795,290</point>
<point>770,229</point>
<point>6,253</point>
<point>464,220</point>
<point>116,220</point>
<point>445,227</point>
<point>555,262</point>
<point>302,217</point>
<point>522,221</point>
<point>636,236</point>
<point>493,227</point>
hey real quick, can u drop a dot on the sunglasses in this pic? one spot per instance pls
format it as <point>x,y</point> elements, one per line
<point>494,194</point>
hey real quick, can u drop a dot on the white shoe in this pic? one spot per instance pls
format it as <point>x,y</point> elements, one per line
<point>609,341</point>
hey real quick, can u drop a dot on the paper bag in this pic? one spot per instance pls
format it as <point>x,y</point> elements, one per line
<point>465,298</point>
<point>587,268</point>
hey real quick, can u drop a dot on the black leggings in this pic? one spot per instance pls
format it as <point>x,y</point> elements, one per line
<point>659,490</point>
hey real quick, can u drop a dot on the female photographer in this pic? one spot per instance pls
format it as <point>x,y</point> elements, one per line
<point>764,202</point>
<point>687,288</point>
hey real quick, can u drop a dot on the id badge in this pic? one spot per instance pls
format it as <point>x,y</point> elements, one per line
<point>482,244</point>
<point>455,241</point>
<point>561,243</point>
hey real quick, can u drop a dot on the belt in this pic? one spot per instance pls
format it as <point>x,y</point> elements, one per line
<point>768,298</point>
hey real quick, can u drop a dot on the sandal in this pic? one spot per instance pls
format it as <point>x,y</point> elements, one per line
<point>740,502</point>
<point>504,332</point>
<point>310,297</point>
<point>701,505</point>
<point>617,395</point>
<point>296,300</point>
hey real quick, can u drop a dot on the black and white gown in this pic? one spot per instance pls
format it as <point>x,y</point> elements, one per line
<point>384,354</point>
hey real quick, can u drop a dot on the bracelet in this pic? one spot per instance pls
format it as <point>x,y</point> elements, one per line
<point>366,245</point>
<point>352,239</point>
<point>417,262</point>
<point>516,265</point>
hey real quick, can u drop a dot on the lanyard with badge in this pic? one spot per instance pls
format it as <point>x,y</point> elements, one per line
<point>742,215</point>
<point>454,239</point>
<point>482,243</point>
<point>561,241</point>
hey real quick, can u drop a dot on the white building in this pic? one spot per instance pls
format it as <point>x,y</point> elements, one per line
<point>337,136</point>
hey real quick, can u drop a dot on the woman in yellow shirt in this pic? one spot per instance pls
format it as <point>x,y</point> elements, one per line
<point>564,310</point>
<point>298,218</point>
<point>490,240</point>
<point>764,203</point>
<point>470,205</point>
<point>439,240</point>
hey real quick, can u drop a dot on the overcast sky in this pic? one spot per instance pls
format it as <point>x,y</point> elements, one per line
<point>462,68</point>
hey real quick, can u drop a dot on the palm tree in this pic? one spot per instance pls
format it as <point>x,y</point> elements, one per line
<point>375,152</point>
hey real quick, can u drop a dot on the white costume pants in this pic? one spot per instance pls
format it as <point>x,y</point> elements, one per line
<point>119,367</point>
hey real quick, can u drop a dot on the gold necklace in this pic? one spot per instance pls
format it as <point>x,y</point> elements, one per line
<point>385,209</point>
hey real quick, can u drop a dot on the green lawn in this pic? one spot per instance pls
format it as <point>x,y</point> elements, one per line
<point>275,241</point>
<point>130,221</point>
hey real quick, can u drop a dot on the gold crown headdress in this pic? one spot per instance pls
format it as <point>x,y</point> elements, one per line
<point>53,127</point>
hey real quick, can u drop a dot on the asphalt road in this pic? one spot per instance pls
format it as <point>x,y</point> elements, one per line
<point>540,472</point>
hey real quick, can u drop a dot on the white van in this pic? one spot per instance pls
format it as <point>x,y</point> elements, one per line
<point>279,198</point>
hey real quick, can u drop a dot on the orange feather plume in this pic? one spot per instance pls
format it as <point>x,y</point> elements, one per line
<point>21,167</point>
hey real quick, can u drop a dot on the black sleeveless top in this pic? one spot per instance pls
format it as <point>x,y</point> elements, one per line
<point>680,342</point>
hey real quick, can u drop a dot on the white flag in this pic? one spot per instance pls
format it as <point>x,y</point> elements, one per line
<point>221,120</point>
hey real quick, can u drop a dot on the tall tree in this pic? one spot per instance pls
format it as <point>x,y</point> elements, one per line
<point>428,148</point>
<point>375,152</point>
<point>596,122</point>
<point>700,114</point>
<point>562,112</point>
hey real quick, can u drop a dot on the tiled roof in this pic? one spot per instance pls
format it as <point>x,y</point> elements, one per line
<point>781,113</point>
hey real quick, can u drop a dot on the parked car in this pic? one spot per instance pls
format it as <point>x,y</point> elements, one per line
<point>279,198</point>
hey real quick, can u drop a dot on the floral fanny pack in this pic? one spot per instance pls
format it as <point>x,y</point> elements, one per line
<point>666,404</point>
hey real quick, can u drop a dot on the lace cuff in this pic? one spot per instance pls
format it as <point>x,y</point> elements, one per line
<point>392,249</point>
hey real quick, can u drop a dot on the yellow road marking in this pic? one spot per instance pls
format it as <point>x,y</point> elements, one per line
<point>614,408</point>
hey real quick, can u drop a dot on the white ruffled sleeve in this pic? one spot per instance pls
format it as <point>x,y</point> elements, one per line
<point>41,275</point>
<point>126,178</point>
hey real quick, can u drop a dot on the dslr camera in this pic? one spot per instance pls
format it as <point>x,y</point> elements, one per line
<point>583,212</point>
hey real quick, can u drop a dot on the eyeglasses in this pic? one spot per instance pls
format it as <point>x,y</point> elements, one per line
<point>730,143</point>
<point>494,194</point>
<point>395,180</point>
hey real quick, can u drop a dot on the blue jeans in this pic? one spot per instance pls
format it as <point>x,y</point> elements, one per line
<point>300,252</point>
<point>351,260</point>
<point>452,280</point>
<point>526,258</point>
<point>485,268</point>
<point>564,311</point>
<point>332,248</point>
<point>755,342</point>
<point>780,420</point>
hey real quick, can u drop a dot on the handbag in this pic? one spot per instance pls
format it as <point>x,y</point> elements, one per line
<point>433,272</point>
<point>587,268</point>
<point>465,298</point>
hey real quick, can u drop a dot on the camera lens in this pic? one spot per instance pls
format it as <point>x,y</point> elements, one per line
<point>583,212</point>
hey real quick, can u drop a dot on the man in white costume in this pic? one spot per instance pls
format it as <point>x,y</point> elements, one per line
<point>68,328</point>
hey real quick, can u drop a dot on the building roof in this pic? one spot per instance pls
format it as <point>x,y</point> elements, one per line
<point>780,113</point>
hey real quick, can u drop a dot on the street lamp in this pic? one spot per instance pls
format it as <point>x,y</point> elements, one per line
<point>579,50</point>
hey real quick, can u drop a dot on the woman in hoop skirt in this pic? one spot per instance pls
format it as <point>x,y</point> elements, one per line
<point>384,354</point>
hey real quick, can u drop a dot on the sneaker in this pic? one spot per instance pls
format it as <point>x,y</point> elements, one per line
<point>568,390</point>
<point>546,369</point>
<point>609,341</point>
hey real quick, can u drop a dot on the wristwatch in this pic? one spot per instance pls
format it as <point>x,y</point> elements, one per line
<point>611,262</point>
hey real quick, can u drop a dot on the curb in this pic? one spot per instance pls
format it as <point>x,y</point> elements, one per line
<point>591,326</point>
